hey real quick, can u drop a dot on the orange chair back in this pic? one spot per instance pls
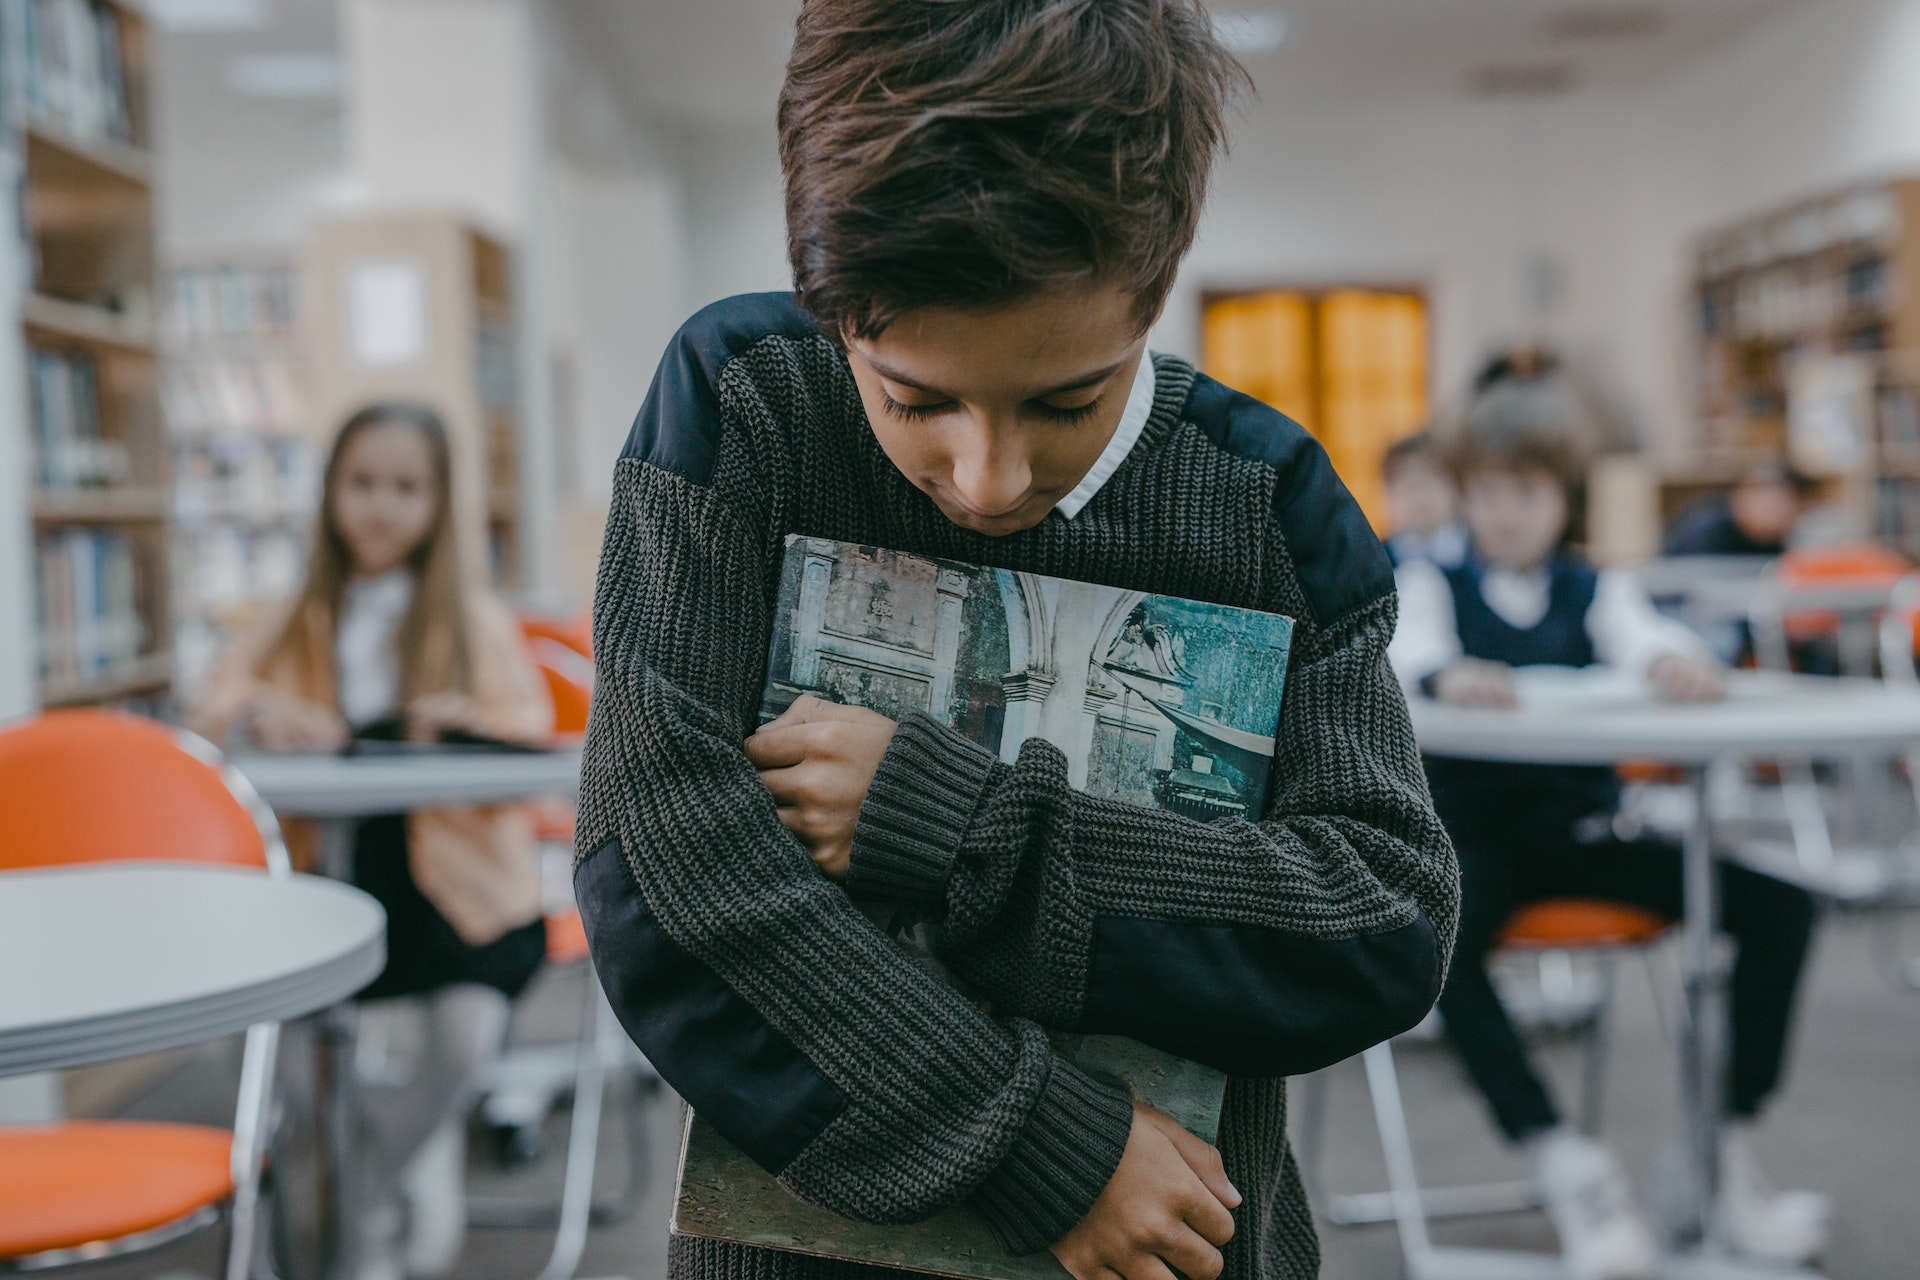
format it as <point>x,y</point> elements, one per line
<point>1862,566</point>
<point>1849,563</point>
<point>563,650</point>
<point>102,786</point>
<point>1579,924</point>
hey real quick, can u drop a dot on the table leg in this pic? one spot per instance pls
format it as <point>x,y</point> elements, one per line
<point>337,1214</point>
<point>1702,1038</point>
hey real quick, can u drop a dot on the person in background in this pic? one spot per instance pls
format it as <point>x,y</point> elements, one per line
<point>386,629</point>
<point>1420,503</point>
<point>1754,518</point>
<point>1529,832</point>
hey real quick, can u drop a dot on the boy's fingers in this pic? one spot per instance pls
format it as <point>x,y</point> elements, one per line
<point>1195,1258</point>
<point>1146,1266</point>
<point>1204,1159</point>
<point>786,785</point>
<point>775,746</point>
<point>1210,1217</point>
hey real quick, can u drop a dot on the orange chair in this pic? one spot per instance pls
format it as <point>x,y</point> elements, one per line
<point>1553,927</point>
<point>1818,591</point>
<point>98,786</point>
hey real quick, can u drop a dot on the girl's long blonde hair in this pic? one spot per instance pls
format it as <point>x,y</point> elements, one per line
<point>433,644</point>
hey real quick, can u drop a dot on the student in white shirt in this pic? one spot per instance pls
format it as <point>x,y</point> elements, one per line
<point>1528,832</point>
<point>385,630</point>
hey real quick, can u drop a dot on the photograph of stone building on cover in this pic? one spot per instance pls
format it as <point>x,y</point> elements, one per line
<point>1154,700</point>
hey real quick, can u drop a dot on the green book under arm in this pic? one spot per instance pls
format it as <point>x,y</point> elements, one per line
<point>1154,700</point>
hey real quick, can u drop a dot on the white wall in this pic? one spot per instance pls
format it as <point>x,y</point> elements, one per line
<point>1613,189</point>
<point>736,226</point>
<point>236,175</point>
<point>1609,190</point>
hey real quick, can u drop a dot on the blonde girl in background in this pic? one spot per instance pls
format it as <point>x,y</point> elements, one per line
<point>386,631</point>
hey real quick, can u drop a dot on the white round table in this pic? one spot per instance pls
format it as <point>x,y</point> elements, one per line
<point>1598,717</point>
<point>1582,718</point>
<point>108,960</point>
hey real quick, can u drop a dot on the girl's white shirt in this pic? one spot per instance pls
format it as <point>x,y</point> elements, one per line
<point>366,652</point>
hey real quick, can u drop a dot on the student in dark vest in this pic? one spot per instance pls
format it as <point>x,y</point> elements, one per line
<point>1525,832</point>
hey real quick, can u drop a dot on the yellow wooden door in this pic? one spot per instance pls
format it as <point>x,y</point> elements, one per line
<point>1350,365</point>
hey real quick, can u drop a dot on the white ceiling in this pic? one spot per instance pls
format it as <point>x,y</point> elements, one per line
<point>712,61</point>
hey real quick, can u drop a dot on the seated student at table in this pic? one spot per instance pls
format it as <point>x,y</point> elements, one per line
<point>1754,518</point>
<point>1528,832</point>
<point>383,627</point>
<point>1420,503</point>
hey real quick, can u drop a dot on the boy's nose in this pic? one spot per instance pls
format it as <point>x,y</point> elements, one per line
<point>991,478</point>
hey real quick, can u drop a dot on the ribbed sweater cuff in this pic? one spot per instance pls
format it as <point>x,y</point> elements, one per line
<point>917,808</point>
<point>1061,1162</point>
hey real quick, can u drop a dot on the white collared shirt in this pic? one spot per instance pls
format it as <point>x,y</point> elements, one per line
<point>1133,419</point>
<point>365,653</point>
<point>1626,630</point>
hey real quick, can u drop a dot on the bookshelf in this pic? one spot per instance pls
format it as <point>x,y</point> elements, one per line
<point>97,473</point>
<point>245,452</point>
<point>1807,342</point>
<point>420,307</point>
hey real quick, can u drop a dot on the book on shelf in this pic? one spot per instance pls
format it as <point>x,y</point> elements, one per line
<point>90,621</point>
<point>241,394</point>
<point>69,450</point>
<point>1154,700</point>
<point>63,66</point>
<point>231,302</point>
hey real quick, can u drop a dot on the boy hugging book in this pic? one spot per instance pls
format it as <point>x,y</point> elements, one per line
<point>1151,700</point>
<point>1149,811</point>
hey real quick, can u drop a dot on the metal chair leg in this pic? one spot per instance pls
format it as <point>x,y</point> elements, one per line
<point>583,1140</point>
<point>1396,1145</point>
<point>250,1124</point>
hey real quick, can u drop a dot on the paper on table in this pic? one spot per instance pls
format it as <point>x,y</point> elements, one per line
<point>1552,688</point>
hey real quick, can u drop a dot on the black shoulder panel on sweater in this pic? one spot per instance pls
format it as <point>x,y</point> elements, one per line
<point>1341,563</point>
<point>741,1075</point>
<point>678,427</point>
<point>1255,1001</point>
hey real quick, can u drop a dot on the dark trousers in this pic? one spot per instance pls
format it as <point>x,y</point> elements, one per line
<point>1508,860</point>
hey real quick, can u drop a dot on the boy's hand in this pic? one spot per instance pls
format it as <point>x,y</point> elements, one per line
<point>1678,678</point>
<point>1165,1209</point>
<point>1474,682</point>
<point>818,758</point>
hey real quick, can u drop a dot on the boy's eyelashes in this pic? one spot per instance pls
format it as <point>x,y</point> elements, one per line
<point>939,408</point>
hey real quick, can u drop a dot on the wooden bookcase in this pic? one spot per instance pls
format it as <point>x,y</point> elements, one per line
<point>246,452</point>
<point>97,461</point>
<point>1807,342</point>
<point>420,307</point>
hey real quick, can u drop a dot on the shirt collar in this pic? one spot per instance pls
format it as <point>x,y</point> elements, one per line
<point>1133,420</point>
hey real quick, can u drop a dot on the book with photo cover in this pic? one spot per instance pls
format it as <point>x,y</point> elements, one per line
<point>1154,700</point>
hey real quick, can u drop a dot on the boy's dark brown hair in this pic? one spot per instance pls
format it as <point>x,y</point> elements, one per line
<point>1531,425</point>
<point>1420,447</point>
<point>975,152</point>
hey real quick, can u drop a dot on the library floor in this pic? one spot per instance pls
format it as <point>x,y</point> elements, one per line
<point>1845,1125</point>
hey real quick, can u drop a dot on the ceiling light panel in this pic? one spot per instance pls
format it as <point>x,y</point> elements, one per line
<point>209,15</point>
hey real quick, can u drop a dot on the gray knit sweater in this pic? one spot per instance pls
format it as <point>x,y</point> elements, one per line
<point>788,1020</point>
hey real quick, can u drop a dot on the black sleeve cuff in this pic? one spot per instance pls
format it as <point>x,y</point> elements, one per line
<point>923,796</point>
<point>1061,1162</point>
